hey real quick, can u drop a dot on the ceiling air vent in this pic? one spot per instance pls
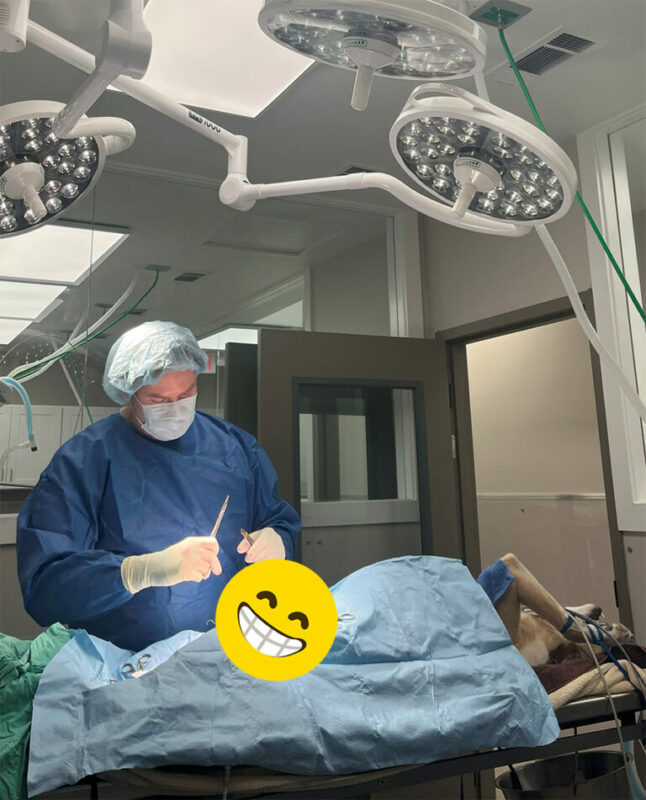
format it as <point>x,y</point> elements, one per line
<point>568,41</point>
<point>189,277</point>
<point>539,61</point>
<point>555,48</point>
<point>561,47</point>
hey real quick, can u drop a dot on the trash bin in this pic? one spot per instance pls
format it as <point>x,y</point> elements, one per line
<point>599,775</point>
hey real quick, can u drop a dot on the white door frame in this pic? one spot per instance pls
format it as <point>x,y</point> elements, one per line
<point>604,189</point>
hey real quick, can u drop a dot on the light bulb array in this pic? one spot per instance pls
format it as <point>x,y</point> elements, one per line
<point>68,168</point>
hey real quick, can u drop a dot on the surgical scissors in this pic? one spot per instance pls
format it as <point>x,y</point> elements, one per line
<point>135,672</point>
<point>216,527</point>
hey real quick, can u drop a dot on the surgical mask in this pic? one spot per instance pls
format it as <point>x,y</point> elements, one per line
<point>168,421</point>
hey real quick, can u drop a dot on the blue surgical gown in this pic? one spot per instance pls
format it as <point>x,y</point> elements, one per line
<point>110,492</point>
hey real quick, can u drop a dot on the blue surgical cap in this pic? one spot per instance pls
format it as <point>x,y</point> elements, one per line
<point>143,355</point>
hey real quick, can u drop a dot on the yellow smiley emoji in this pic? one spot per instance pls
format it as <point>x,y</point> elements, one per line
<point>276,619</point>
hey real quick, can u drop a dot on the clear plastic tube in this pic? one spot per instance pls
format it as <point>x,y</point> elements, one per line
<point>13,384</point>
<point>606,357</point>
<point>73,342</point>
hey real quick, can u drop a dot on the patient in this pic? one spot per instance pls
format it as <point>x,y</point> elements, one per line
<point>538,625</point>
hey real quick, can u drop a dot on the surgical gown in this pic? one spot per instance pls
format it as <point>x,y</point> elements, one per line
<point>110,492</point>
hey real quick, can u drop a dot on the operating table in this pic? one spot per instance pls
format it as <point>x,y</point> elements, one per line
<point>245,783</point>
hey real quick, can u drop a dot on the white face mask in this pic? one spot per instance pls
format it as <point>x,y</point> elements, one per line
<point>168,421</point>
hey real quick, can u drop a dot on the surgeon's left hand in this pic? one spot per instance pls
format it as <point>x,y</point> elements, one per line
<point>266,544</point>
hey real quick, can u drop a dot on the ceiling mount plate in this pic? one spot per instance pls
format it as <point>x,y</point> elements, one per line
<point>500,13</point>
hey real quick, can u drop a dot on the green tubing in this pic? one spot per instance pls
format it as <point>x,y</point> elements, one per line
<point>519,77</point>
<point>580,200</point>
<point>30,371</point>
<point>622,277</point>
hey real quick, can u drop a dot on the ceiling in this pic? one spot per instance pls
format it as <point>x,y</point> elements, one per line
<point>310,130</point>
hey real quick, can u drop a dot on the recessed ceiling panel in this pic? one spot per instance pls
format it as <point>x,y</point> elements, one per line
<point>59,253</point>
<point>26,300</point>
<point>10,328</point>
<point>213,55</point>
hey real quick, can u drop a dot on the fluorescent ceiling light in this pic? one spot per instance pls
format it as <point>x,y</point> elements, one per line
<point>57,253</point>
<point>26,300</point>
<point>214,56</point>
<point>218,341</point>
<point>10,328</point>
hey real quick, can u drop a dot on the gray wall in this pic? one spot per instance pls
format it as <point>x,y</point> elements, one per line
<point>639,224</point>
<point>349,293</point>
<point>14,620</point>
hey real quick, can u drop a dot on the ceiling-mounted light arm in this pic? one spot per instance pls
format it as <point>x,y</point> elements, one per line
<point>118,134</point>
<point>236,146</point>
<point>237,192</point>
<point>125,50</point>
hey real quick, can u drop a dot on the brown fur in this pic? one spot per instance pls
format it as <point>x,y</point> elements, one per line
<point>534,629</point>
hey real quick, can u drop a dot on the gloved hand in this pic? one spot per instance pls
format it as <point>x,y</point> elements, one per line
<point>266,544</point>
<point>192,559</point>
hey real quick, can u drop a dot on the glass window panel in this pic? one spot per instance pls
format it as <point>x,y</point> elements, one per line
<point>357,443</point>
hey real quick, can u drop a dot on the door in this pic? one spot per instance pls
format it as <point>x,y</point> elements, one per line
<point>358,429</point>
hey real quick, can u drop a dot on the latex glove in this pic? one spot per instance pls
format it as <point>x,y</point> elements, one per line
<point>266,544</point>
<point>192,559</point>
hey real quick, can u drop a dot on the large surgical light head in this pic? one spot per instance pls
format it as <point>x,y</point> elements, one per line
<point>42,174</point>
<point>417,39</point>
<point>472,154</point>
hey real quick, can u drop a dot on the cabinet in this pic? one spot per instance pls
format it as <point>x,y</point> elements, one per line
<point>53,425</point>
<point>23,466</point>
<point>74,421</point>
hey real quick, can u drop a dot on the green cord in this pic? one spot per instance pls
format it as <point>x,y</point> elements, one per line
<point>75,380</point>
<point>586,211</point>
<point>31,371</point>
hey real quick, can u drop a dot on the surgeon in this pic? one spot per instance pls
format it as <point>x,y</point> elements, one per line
<point>115,537</point>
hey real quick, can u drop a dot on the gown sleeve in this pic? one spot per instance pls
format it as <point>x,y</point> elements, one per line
<point>270,511</point>
<point>63,575</point>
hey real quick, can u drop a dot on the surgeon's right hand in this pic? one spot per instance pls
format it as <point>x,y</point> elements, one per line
<point>192,559</point>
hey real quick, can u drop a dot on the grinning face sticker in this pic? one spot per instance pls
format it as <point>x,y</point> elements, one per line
<point>276,619</point>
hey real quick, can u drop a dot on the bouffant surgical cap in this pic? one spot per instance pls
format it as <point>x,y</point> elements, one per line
<point>143,355</point>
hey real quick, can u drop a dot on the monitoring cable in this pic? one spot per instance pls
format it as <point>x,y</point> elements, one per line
<point>592,625</point>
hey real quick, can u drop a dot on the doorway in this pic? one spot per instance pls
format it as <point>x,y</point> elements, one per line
<point>532,451</point>
<point>539,477</point>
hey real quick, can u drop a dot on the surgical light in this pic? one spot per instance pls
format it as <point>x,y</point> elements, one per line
<point>33,161</point>
<point>416,39</point>
<point>473,155</point>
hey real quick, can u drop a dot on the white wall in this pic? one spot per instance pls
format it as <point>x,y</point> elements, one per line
<point>472,276</point>
<point>533,412</point>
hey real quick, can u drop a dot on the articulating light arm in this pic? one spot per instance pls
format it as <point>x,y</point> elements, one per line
<point>125,50</point>
<point>236,146</point>
<point>236,191</point>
